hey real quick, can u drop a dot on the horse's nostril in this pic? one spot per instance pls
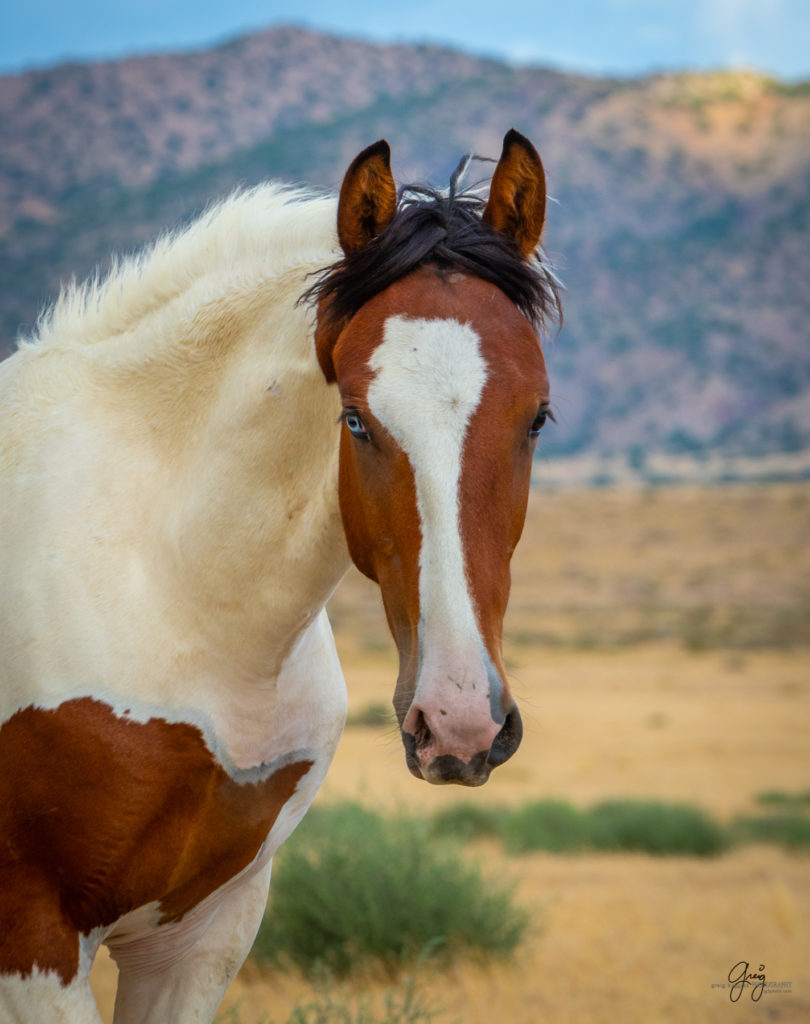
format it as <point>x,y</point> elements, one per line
<point>508,739</point>
<point>421,732</point>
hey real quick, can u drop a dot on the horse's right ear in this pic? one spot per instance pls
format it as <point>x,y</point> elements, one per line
<point>367,205</point>
<point>368,198</point>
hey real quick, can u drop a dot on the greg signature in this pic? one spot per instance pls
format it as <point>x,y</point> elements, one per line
<point>740,976</point>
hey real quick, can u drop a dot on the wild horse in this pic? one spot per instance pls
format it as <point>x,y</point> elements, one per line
<point>190,456</point>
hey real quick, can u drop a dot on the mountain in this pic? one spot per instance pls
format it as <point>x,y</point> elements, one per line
<point>679,228</point>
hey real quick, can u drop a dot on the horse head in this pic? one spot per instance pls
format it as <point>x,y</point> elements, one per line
<point>428,326</point>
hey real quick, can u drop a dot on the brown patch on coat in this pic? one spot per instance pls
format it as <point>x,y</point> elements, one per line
<point>100,815</point>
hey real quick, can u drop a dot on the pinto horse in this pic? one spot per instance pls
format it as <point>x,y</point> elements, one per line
<point>190,458</point>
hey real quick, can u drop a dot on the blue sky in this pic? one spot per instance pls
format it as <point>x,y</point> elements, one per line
<point>615,36</point>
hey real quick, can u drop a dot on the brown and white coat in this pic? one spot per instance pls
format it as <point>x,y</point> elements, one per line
<point>185,476</point>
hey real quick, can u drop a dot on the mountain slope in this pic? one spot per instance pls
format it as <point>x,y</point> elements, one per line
<point>680,224</point>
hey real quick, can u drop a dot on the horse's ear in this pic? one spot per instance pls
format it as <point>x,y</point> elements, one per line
<point>368,198</point>
<point>517,195</point>
<point>367,204</point>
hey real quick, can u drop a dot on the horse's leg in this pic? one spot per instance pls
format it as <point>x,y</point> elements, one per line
<point>191,988</point>
<point>44,962</point>
<point>42,998</point>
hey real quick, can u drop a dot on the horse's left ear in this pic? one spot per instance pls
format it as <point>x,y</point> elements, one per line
<point>517,195</point>
<point>368,198</point>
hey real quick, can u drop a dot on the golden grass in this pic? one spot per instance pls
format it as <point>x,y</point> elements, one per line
<point>725,567</point>
<point>615,938</point>
<point>618,937</point>
<point>711,728</point>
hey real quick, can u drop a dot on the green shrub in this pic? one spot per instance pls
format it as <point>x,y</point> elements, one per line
<point>467,821</point>
<point>545,825</point>
<point>654,827</point>
<point>777,797</point>
<point>351,889</point>
<point>791,830</point>
<point>646,826</point>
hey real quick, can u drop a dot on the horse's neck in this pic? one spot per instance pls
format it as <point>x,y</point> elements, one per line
<point>248,515</point>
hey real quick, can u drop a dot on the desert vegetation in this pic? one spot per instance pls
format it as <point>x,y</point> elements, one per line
<point>356,888</point>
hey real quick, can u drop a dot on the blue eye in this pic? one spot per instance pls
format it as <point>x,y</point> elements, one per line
<point>355,424</point>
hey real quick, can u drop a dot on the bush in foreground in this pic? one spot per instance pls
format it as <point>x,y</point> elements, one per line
<point>352,889</point>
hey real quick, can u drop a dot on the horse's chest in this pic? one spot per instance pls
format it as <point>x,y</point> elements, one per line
<point>103,814</point>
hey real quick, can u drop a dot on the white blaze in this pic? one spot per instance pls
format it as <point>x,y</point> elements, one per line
<point>429,378</point>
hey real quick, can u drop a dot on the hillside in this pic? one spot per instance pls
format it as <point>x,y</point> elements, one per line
<point>680,224</point>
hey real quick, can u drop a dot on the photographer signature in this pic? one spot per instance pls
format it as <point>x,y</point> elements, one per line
<point>739,976</point>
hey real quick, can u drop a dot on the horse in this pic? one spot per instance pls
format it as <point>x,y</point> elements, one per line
<point>193,450</point>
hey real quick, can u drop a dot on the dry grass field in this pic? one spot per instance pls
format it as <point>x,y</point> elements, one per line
<point>659,645</point>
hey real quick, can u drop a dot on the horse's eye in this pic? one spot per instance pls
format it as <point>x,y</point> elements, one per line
<point>355,424</point>
<point>537,423</point>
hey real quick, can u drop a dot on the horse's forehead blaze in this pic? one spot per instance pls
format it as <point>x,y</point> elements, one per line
<point>440,351</point>
<point>429,328</point>
<point>428,378</point>
<point>454,373</point>
<point>426,294</point>
<point>101,814</point>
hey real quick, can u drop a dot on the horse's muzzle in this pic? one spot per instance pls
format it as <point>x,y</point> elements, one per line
<point>445,768</point>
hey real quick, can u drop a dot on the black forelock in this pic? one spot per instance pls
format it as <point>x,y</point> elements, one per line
<point>444,230</point>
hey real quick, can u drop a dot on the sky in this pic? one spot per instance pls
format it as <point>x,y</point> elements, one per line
<point>624,37</point>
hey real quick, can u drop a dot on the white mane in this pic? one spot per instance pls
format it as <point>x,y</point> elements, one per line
<point>250,237</point>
